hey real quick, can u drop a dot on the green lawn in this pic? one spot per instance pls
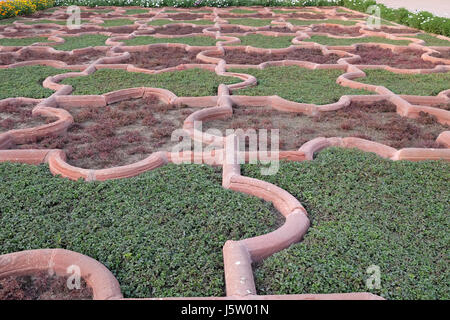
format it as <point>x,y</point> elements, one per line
<point>191,82</point>
<point>349,41</point>
<point>297,22</point>
<point>249,22</point>
<point>26,81</point>
<point>432,40</point>
<point>136,11</point>
<point>83,41</point>
<point>161,22</point>
<point>193,41</point>
<point>262,41</point>
<point>284,11</point>
<point>22,41</point>
<point>297,84</point>
<point>364,211</point>
<point>243,11</point>
<point>413,84</point>
<point>59,22</point>
<point>116,23</point>
<point>161,233</point>
<point>9,20</point>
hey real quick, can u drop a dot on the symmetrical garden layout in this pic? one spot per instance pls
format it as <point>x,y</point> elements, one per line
<point>100,103</point>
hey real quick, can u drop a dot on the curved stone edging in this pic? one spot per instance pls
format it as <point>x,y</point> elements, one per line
<point>238,255</point>
<point>104,285</point>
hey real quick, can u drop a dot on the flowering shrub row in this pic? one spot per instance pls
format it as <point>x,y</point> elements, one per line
<point>421,20</point>
<point>12,8</point>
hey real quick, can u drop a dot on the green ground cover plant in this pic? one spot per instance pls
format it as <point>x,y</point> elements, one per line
<point>59,22</point>
<point>243,11</point>
<point>193,41</point>
<point>297,84</point>
<point>349,41</point>
<point>9,20</point>
<point>161,22</point>
<point>116,23</point>
<point>250,22</point>
<point>431,40</point>
<point>262,41</point>
<point>161,233</point>
<point>83,41</point>
<point>22,41</point>
<point>136,11</point>
<point>26,81</point>
<point>192,82</point>
<point>364,211</point>
<point>284,11</point>
<point>413,84</point>
<point>297,22</point>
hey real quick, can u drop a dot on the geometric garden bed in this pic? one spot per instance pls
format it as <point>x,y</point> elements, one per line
<point>144,222</point>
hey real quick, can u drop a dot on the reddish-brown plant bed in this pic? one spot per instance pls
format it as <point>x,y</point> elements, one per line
<point>185,16</point>
<point>38,29</point>
<point>83,28</point>
<point>21,34</point>
<point>256,15</point>
<point>351,15</point>
<point>408,59</point>
<point>157,58</point>
<point>71,59</point>
<point>278,29</point>
<point>337,30</point>
<point>145,15</point>
<point>443,54</point>
<point>175,29</point>
<point>233,56</point>
<point>377,122</point>
<point>118,134</point>
<point>314,16</point>
<point>40,14</point>
<point>20,117</point>
<point>232,29</point>
<point>396,30</point>
<point>42,286</point>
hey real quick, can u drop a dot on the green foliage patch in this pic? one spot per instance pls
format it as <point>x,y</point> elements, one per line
<point>21,41</point>
<point>297,84</point>
<point>262,41</point>
<point>83,41</point>
<point>364,211</point>
<point>193,41</point>
<point>26,81</point>
<point>161,22</point>
<point>413,84</point>
<point>431,40</point>
<point>297,22</point>
<point>116,23</point>
<point>349,41</point>
<point>250,22</point>
<point>161,233</point>
<point>192,82</point>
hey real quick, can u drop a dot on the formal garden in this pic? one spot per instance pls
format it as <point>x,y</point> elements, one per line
<point>90,175</point>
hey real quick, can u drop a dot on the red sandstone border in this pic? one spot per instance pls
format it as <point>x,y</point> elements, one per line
<point>104,285</point>
<point>51,52</point>
<point>239,255</point>
<point>19,136</point>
